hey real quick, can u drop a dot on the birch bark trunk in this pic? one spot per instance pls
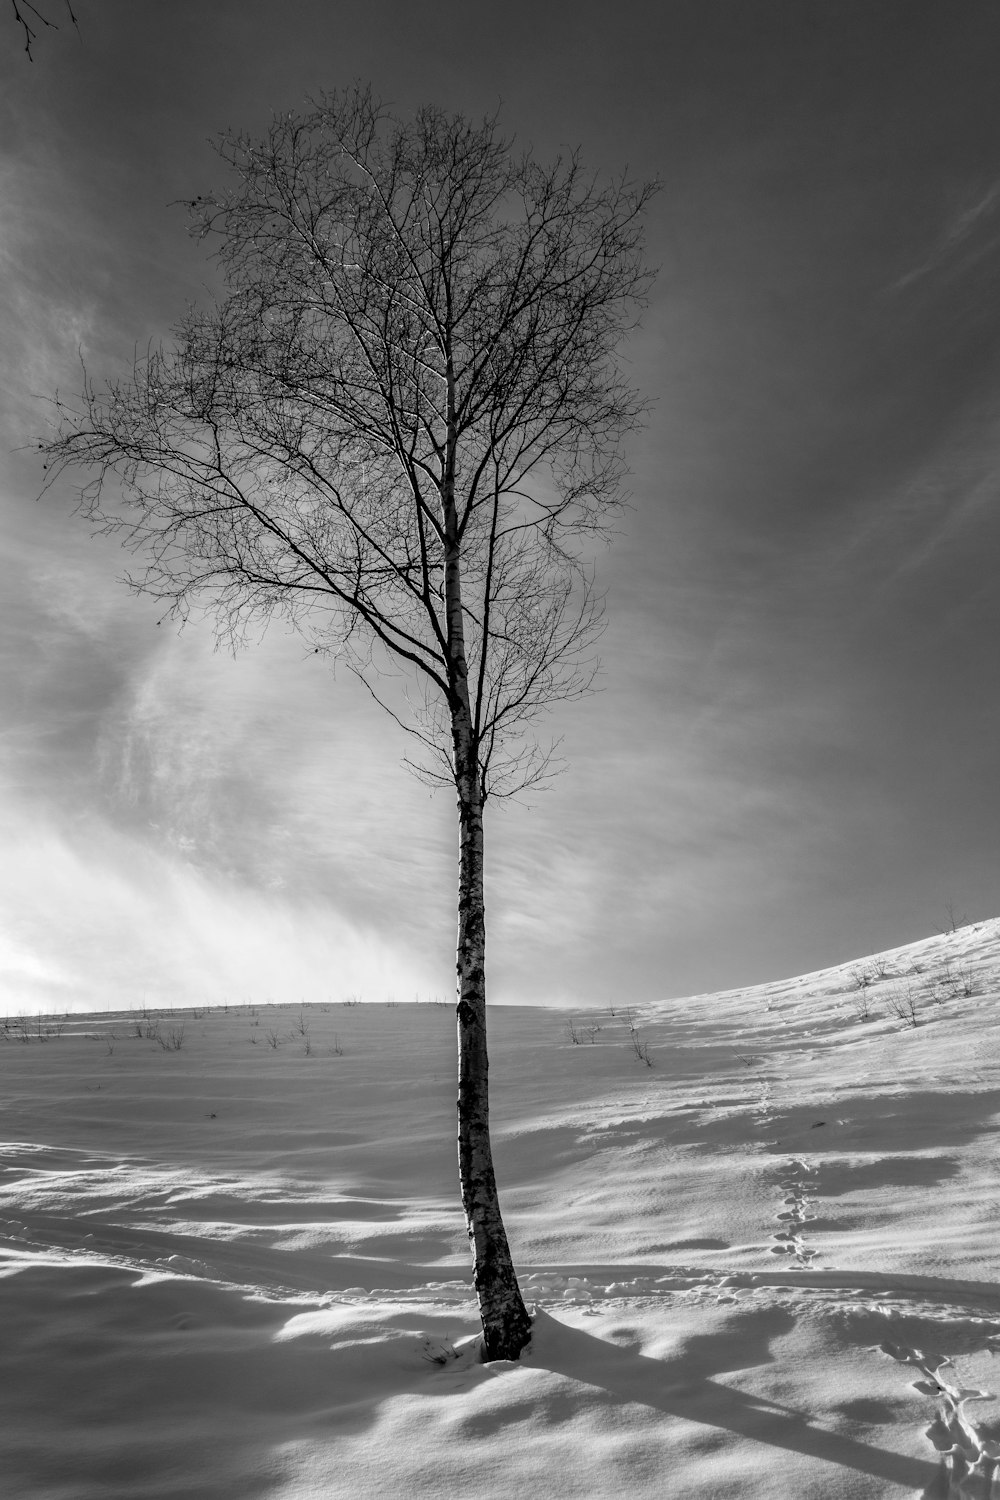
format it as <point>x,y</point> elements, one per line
<point>506,1324</point>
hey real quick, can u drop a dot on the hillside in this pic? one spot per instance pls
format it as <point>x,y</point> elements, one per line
<point>759,1229</point>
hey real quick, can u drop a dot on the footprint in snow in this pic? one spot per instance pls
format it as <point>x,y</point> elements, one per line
<point>970,1454</point>
<point>795,1215</point>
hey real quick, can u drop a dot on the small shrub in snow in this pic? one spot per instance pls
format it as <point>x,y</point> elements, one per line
<point>639,1047</point>
<point>903,1005</point>
<point>864,1005</point>
<point>954,922</point>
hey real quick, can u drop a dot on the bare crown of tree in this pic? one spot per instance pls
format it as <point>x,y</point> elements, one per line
<point>417,349</point>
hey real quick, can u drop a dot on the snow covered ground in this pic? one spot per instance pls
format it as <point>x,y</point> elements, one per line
<point>232,1262</point>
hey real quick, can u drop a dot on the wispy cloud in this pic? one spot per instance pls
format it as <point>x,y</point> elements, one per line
<point>96,919</point>
<point>944,501</point>
<point>972,233</point>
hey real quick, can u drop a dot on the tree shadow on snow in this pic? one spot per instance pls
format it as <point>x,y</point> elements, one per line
<point>683,1387</point>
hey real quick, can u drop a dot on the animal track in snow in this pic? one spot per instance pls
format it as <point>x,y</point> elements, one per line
<point>794,1216</point>
<point>551,1286</point>
<point>971,1456</point>
<point>765,1106</point>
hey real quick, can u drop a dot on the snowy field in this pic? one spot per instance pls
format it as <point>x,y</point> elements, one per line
<point>765,1265</point>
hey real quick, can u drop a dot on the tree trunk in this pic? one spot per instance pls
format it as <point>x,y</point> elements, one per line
<point>506,1324</point>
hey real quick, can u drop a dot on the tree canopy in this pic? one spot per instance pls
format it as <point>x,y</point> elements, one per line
<point>416,316</point>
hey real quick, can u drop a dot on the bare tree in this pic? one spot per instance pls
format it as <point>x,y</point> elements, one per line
<point>398,430</point>
<point>28,16</point>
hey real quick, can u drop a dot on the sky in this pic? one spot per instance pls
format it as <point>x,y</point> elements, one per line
<point>791,758</point>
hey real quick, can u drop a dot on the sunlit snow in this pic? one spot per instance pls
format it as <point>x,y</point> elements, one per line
<point>758,1230</point>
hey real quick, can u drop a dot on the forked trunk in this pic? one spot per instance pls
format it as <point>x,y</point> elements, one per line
<point>506,1324</point>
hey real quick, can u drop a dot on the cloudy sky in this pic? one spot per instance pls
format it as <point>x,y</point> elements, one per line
<point>793,756</point>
